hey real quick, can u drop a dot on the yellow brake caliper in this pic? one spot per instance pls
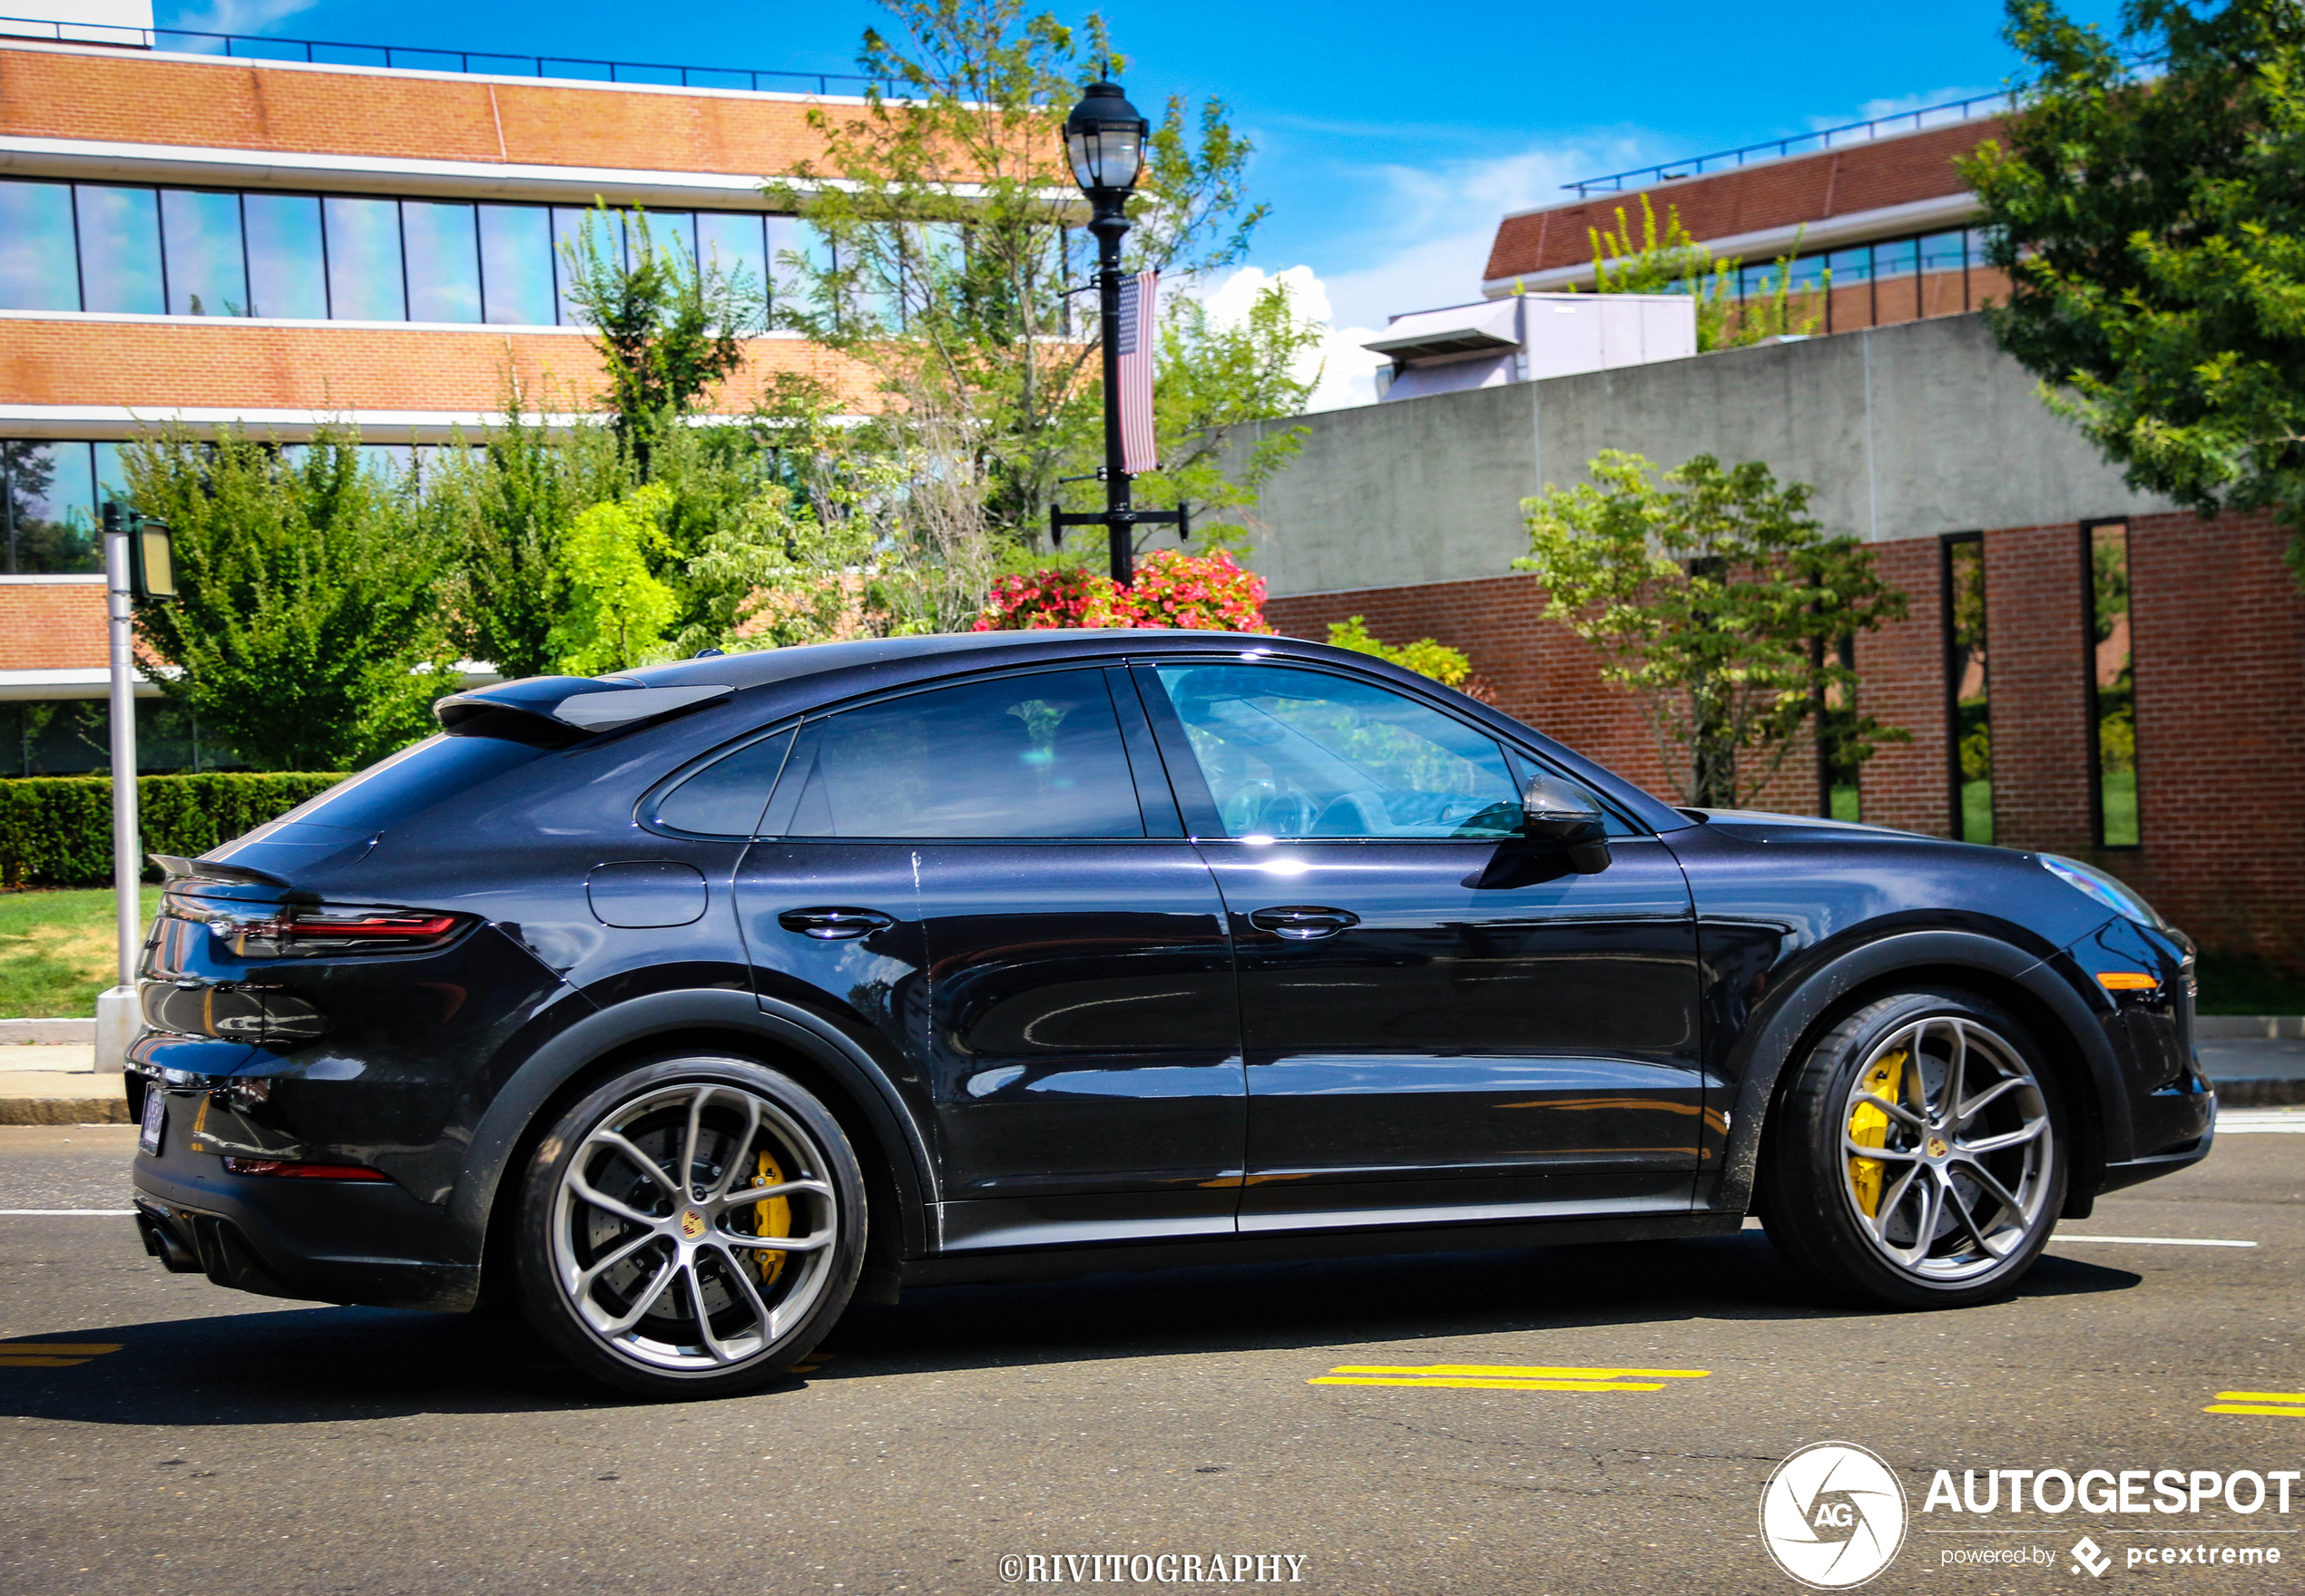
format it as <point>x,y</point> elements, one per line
<point>774,1218</point>
<point>1869,1126</point>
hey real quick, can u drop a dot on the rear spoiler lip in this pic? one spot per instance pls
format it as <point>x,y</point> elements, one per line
<point>558,720</point>
<point>178,868</point>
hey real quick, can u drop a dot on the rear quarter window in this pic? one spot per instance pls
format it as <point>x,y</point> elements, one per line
<point>413,780</point>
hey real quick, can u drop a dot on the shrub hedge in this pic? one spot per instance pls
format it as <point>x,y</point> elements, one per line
<point>56,830</point>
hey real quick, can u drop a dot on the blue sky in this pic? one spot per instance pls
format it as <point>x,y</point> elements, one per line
<point>1389,138</point>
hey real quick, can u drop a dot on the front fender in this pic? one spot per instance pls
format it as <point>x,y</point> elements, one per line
<point>540,1077</point>
<point>1760,1057</point>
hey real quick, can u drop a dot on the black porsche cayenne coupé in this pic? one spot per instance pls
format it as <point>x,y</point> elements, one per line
<point>683,1008</point>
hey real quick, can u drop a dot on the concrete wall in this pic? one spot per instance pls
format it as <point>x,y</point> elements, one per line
<point>1905,431</point>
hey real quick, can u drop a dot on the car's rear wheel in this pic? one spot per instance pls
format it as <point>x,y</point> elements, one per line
<point>691,1228</point>
<point>1917,1159</point>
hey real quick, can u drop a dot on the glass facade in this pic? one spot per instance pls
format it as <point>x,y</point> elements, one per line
<point>106,247</point>
<point>72,737</point>
<point>1952,258</point>
<point>118,237</point>
<point>1968,689</point>
<point>206,271</point>
<point>48,497</point>
<point>2113,684</point>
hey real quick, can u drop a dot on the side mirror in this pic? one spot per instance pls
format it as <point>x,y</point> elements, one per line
<point>1559,811</point>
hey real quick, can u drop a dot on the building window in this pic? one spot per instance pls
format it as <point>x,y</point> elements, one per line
<point>287,267</point>
<point>1967,688</point>
<point>207,268</point>
<point>2113,686</point>
<point>112,248</point>
<point>48,497</point>
<point>72,737</point>
<point>120,250</point>
<point>1838,771</point>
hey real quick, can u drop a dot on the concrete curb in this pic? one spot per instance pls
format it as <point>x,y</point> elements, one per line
<point>63,1111</point>
<point>2264,1094</point>
<point>2252,1027</point>
<point>19,1031</point>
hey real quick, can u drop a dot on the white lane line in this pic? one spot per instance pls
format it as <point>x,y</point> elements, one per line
<point>54,1213</point>
<point>2246,1121</point>
<point>2151,1240</point>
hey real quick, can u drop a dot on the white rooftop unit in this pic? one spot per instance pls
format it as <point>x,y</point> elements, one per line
<point>1529,336</point>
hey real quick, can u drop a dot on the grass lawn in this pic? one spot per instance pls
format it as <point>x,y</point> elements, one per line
<point>57,951</point>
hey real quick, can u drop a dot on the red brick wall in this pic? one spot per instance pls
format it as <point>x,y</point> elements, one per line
<point>1901,681</point>
<point>237,106</point>
<point>1528,667</point>
<point>2217,624</point>
<point>159,367</point>
<point>51,625</point>
<point>1780,193</point>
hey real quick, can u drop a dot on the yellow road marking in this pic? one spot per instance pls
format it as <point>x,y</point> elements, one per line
<point>52,1355</point>
<point>1475,1384</point>
<point>94,1350</point>
<point>1486,1376</point>
<point>1522,1371</point>
<point>2260,1397</point>
<point>2270,1413</point>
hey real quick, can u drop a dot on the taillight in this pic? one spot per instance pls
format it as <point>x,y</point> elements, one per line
<point>301,1171</point>
<point>328,928</point>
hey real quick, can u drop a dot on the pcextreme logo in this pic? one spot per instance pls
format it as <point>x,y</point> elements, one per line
<point>1833,1515</point>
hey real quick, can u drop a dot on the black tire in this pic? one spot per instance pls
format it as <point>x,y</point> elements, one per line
<point>1855,1224</point>
<point>604,1238</point>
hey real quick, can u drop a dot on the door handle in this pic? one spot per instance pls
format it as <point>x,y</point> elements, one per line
<point>835,925</point>
<point>1304,924</point>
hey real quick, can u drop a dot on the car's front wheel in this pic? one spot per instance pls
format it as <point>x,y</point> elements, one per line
<point>691,1228</point>
<point>1919,1156</point>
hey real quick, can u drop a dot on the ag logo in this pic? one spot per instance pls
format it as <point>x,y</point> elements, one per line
<point>1833,1515</point>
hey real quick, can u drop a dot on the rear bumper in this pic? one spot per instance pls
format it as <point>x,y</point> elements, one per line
<point>367,1243</point>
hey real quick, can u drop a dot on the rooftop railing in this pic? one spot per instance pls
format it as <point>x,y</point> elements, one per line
<point>1855,133</point>
<point>425,58</point>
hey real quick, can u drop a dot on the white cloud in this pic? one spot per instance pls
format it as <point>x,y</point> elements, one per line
<point>1437,225</point>
<point>241,16</point>
<point>1346,370</point>
<point>1901,105</point>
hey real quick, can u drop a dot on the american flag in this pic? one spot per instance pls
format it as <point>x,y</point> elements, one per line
<point>1139,450</point>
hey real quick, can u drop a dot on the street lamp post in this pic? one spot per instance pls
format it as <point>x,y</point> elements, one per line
<point>1105,141</point>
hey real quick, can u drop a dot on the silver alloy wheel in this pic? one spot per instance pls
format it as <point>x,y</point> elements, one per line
<point>694,1227</point>
<point>1947,1151</point>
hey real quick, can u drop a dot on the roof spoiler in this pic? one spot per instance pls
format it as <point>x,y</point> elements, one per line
<point>557,711</point>
<point>177,870</point>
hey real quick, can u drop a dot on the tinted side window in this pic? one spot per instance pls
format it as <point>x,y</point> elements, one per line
<point>1025,756</point>
<point>1302,753</point>
<point>433,771</point>
<point>725,798</point>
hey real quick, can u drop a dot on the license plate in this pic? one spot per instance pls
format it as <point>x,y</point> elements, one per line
<point>156,1117</point>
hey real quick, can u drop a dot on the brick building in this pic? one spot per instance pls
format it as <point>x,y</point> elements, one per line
<point>2084,667</point>
<point>368,235</point>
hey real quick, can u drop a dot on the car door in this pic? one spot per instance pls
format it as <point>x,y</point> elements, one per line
<point>1438,1018</point>
<point>970,870</point>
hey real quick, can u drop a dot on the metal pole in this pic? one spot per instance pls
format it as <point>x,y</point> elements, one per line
<point>127,858</point>
<point>1109,226</point>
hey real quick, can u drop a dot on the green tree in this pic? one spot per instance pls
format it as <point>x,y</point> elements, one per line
<point>618,609</point>
<point>1213,383</point>
<point>953,230</point>
<point>503,508</point>
<point>1715,598</point>
<point>668,328</point>
<point>1669,261</point>
<point>308,635</point>
<point>2152,224</point>
<point>1427,657</point>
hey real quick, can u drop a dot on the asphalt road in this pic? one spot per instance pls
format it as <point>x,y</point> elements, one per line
<point>237,1445</point>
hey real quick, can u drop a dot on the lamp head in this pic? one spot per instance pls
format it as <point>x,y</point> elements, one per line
<point>1105,139</point>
